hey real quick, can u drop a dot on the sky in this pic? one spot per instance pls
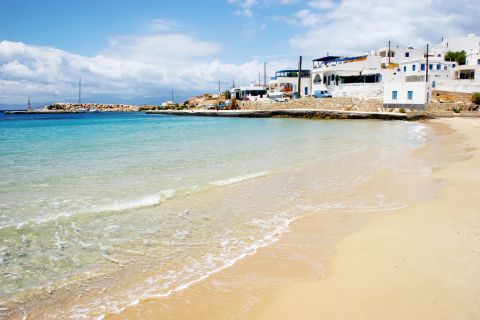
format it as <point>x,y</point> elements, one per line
<point>138,51</point>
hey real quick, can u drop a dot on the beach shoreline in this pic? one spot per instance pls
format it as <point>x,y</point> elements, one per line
<point>271,281</point>
<point>421,262</point>
<point>295,277</point>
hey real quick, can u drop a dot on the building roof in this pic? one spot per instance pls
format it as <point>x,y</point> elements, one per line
<point>327,58</point>
<point>293,70</point>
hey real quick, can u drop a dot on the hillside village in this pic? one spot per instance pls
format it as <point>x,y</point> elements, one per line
<point>443,77</point>
<point>389,77</point>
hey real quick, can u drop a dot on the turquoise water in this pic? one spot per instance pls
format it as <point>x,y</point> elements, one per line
<point>168,200</point>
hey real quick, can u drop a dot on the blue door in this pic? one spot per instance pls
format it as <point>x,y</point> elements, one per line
<point>306,91</point>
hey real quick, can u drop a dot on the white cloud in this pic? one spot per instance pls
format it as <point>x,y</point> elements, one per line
<point>352,26</point>
<point>131,67</point>
<point>247,7</point>
<point>163,25</point>
<point>159,48</point>
<point>322,4</point>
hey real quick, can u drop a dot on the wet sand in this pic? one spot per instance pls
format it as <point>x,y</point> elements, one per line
<point>419,262</point>
<point>422,262</point>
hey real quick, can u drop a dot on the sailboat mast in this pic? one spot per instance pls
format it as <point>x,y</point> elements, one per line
<point>80,91</point>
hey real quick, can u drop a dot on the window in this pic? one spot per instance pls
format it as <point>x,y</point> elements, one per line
<point>430,66</point>
<point>414,67</point>
<point>453,65</point>
<point>394,95</point>
<point>422,67</point>
<point>410,95</point>
<point>478,61</point>
<point>439,66</point>
<point>407,54</point>
<point>404,68</point>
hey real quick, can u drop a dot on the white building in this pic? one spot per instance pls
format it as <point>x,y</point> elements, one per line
<point>287,81</point>
<point>461,78</point>
<point>358,76</point>
<point>399,94</point>
<point>397,55</point>
<point>250,93</point>
<point>415,70</point>
<point>470,44</point>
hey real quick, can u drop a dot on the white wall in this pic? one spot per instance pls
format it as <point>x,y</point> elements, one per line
<point>421,93</point>
<point>473,59</point>
<point>360,90</point>
<point>305,83</point>
<point>399,54</point>
<point>468,43</point>
<point>464,86</point>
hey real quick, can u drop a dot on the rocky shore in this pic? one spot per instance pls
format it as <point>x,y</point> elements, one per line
<point>73,107</point>
<point>443,104</point>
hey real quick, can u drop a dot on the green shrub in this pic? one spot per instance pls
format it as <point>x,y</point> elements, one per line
<point>402,110</point>
<point>456,109</point>
<point>459,56</point>
<point>476,98</point>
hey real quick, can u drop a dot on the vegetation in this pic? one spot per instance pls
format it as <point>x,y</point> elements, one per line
<point>402,110</point>
<point>459,56</point>
<point>476,98</point>
<point>456,109</point>
<point>227,94</point>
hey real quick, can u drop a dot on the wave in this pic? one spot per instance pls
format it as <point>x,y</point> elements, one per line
<point>282,225</point>
<point>115,206</point>
<point>137,203</point>
<point>418,133</point>
<point>239,179</point>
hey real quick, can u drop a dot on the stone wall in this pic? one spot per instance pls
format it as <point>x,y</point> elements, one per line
<point>345,104</point>
<point>451,97</point>
<point>447,102</point>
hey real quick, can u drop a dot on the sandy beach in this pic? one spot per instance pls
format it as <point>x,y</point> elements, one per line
<point>419,262</point>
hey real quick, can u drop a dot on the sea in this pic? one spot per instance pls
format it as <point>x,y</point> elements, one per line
<point>99,211</point>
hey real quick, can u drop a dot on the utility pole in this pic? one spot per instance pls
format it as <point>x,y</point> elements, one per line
<point>259,81</point>
<point>219,88</point>
<point>311,79</point>
<point>29,105</point>
<point>427,66</point>
<point>233,83</point>
<point>172,96</point>
<point>389,52</point>
<point>265,74</point>
<point>80,92</point>
<point>299,76</point>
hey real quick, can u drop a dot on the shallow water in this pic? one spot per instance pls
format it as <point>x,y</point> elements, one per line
<point>168,200</point>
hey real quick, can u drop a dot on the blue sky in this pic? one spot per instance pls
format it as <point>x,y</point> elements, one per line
<point>138,51</point>
<point>84,27</point>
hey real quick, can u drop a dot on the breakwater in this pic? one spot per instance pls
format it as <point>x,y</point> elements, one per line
<point>294,113</point>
